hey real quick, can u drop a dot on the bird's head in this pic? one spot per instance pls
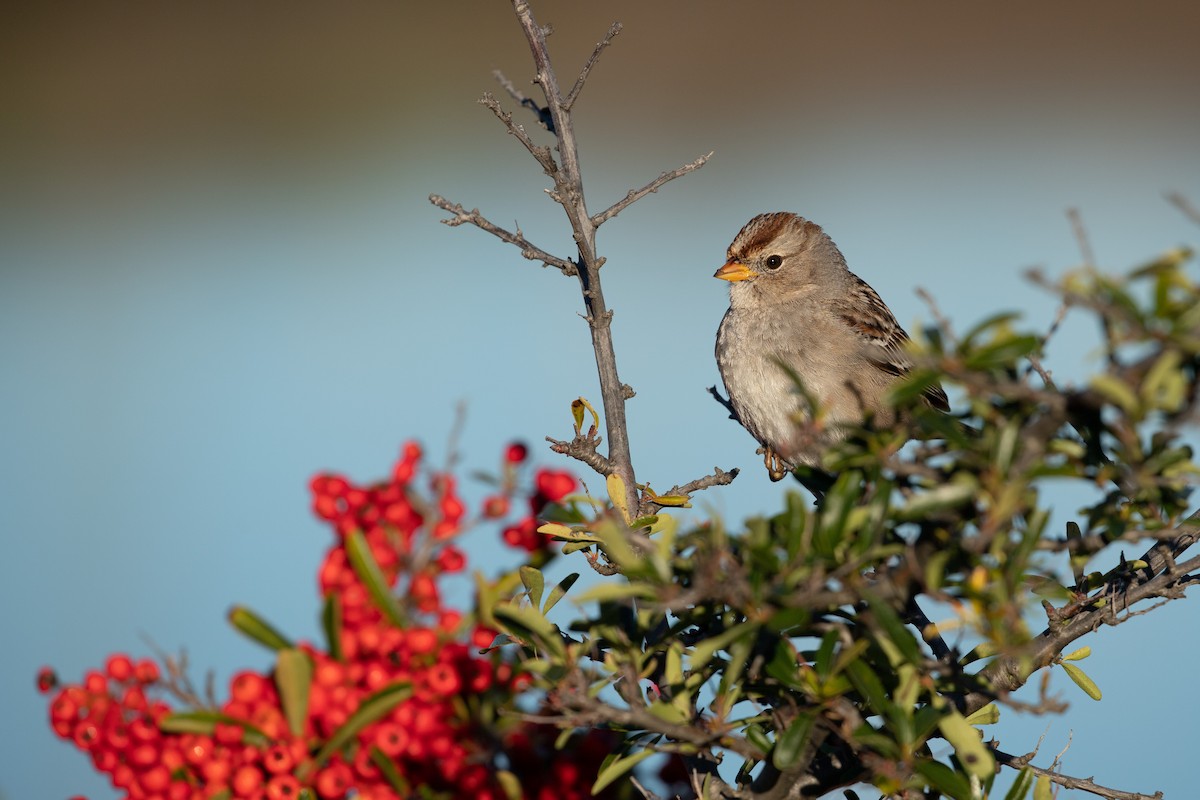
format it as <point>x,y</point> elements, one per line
<point>781,254</point>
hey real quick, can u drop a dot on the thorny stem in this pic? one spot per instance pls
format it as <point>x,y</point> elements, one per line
<point>568,184</point>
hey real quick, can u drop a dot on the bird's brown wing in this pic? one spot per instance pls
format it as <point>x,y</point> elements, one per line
<point>865,313</point>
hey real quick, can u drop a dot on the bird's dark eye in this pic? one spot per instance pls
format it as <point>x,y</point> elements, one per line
<point>774,262</point>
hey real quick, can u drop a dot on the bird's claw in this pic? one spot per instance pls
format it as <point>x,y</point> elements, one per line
<point>776,466</point>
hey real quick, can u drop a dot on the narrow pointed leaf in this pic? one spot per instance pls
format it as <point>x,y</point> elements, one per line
<point>370,710</point>
<point>1021,785</point>
<point>988,715</point>
<point>331,622</point>
<point>390,772</point>
<point>530,625</point>
<point>1082,680</point>
<point>534,583</point>
<point>790,745</point>
<point>368,571</point>
<point>256,628</point>
<point>703,652</point>
<point>1043,790</point>
<point>559,591</point>
<point>603,592</point>
<point>972,753</point>
<point>204,722</point>
<point>617,768</point>
<point>509,784</point>
<point>616,493</point>
<point>293,678</point>
<point>1078,655</point>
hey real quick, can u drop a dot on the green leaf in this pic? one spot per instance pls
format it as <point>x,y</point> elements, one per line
<point>945,779</point>
<point>755,736</point>
<point>509,784</point>
<point>703,652</point>
<point>1082,680</point>
<point>616,493</point>
<point>1078,655</point>
<point>534,583</point>
<point>618,767</point>
<point>790,745</point>
<point>997,320</point>
<point>560,589</point>
<point>897,633</point>
<point>961,489</point>
<point>608,592</point>
<point>824,659</point>
<point>293,679</point>
<point>868,685</point>
<point>1165,386</point>
<point>368,571</point>
<point>988,715</point>
<point>1117,392</point>
<point>1021,785</point>
<point>669,712</point>
<point>372,708</point>
<point>205,722</point>
<point>530,625</point>
<point>256,628</point>
<point>391,772</point>
<point>972,753</point>
<point>331,622</point>
<point>1042,789</point>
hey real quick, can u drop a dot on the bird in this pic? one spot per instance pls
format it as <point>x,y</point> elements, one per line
<point>802,330</point>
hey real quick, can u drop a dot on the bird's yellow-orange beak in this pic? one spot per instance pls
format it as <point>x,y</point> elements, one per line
<point>734,271</point>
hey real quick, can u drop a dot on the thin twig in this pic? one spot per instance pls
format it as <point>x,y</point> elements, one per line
<point>938,316</point>
<point>573,95</point>
<point>653,186</point>
<point>541,153</point>
<point>716,395</point>
<point>541,112</point>
<point>1081,237</point>
<point>1181,202</point>
<point>473,217</point>
<point>1067,782</point>
<point>583,448</point>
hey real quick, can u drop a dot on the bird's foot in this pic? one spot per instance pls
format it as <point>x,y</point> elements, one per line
<point>776,466</point>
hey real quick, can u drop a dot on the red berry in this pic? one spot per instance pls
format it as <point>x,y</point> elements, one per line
<point>451,559</point>
<point>516,453</point>
<point>146,671</point>
<point>246,781</point>
<point>283,787</point>
<point>279,759</point>
<point>495,506</point>
<point>119,667</point>
<point>554,485</point>
<point>334,781</point>
<point>46,680</point>
<point>391,739</point>
<point>482,637</point>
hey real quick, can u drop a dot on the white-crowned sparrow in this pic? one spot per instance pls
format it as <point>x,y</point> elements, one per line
<point>795,308</point>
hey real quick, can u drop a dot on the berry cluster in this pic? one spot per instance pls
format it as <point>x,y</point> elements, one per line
<point>550,486</point>
<point>403,701</point>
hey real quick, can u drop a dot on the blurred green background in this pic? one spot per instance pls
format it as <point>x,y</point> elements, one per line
<point>221,273</point>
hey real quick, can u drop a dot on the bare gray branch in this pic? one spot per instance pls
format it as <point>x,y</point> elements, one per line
<point>653,186</point>
<point>473,217</point>
<point>573,95</point>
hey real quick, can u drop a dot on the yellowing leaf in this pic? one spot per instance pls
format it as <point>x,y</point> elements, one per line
<point>1082,681</point>
<point>616,493</point>
<point>972,753</point>
<point>1078,655</point>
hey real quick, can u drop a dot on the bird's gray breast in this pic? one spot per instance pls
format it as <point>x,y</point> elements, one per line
<point>750,347</point>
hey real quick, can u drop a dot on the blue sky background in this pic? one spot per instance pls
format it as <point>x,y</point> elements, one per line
<point>219,273</point>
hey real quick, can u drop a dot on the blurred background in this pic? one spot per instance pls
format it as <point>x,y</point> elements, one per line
<point>220,273</point>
